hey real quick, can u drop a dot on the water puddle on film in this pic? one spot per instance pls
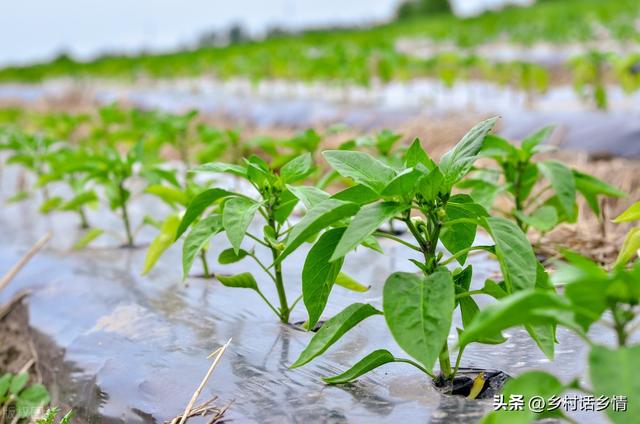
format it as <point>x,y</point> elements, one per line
<point>134,348</point>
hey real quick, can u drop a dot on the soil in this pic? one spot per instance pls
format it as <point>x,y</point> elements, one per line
<point>463,381</point>
<point>16,345</point>
<point>20,346</point>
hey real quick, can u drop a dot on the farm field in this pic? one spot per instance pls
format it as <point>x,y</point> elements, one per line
<point>421,221</point>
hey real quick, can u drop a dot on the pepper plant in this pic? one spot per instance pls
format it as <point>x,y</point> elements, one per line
<point>589,76</point>
<point>32,152</point>
<point>418,307</point>
<point>18,399</point>
<point>113,171</point>
<point>233,212</point>
<point>65,168</point>
<point>51,415</point>
<point>176,197</point>
<point>591,295</point>
<point>543,193</point>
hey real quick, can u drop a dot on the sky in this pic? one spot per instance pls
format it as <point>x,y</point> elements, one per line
<point>36,30</point>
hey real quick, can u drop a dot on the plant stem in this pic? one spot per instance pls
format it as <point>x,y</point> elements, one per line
<point>455,369</point>
<point>517,187</point>
<point>282,295</point>
<point>398,239</point>
<point>261,265</point>
<point>84,222</point>
<point>415,364</point>
<point>205,266</point>
<point>251,236</point>
<point>295,302</point>
<point>445,362</point>
<point>125,215</point>
<point>416,234</point>
<point>619,326</point>
<point>267,302</point>
<point>469,293</point>
<point>464,252</point>
<point>428,248</point>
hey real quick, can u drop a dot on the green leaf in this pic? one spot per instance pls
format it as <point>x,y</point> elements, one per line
<point>530,143</point>
<point>460,236</point>
<point>525,307</point>
<point>67,417</point>
<point>5,382</point>
<point>403,185</point>
<point>297,168</point>
<point>18,382</point>
<point>614,373</point>
<point>87,238</point>
<point>371,361</point>
<point>527,181</point>
<point>18,197</point>
<point>51,204</point>
<point>80,200</point>
<point>333,329</point>
<point>630,247</point>
<point>360,194</point>
<point>590,187</point>
<point>631,214</point>
<point>542,219</point>
<point>237,215</point>
<point>49,416</point>
<point>309,195</point>
<point>457,162</point>
<point>229,256</point>
<point>319,274</point>
<point>170,195</point>
<point>285,207</point>
<point>361,167</point>
<point>430,185</point>
<point>418,311</point>
<point>563,184</point>
<point>415,154</point>
<point>317,218</point>
<point>31,398</point>
<point>498,148</point>
<point>244,280</point>
<point>482,192</point>
<point>220,167</point>
<point>349,283</point>
<point>491,288</point>
<point>585,285</point>
<point>364,223</point>
<point>198,205</point>
<point>162,242</point>
<point>197,239</point>
<point>514,252</point>
<point>528,385</point>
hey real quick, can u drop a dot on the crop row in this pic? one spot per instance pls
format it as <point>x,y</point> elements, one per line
<point>348,198</point>
<point>591,72</point>
<point>364,56</point>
